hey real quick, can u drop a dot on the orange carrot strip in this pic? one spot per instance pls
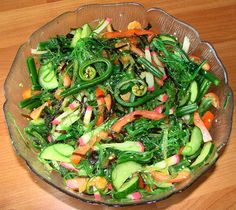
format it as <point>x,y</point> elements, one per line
<point>29,93</point>
<point>197,60</point>
<point>199,123</point>
<point>66,80</point>
<point>141,182</point>
<point>159,176</point>
<point>214,99</point>
<point>75,158</point>
<point>182,175</point>
<point>99,92</point>
<point>82,150</point>
<point>35,114</point>
<point>127,33</point>
<point>136,50</point>
<point>101,106</point>
<point>147,188</point>
<point>159,81</point>
<point>108,102</point>
<point>131,117</point>
<point>207,119</point>
<point>79,183</point>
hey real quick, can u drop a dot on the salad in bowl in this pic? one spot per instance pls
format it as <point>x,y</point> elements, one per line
<point>118,109</point>
<point>120,113</point>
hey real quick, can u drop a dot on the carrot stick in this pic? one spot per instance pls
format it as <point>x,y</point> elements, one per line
<point>136,50</point>
<point>75,158</point>
<point>197,60</point>
<point>199,123</point>
<point>66,80</point>
<point>182,175</point>
<point>159,176</point>
<point>82,150</point>
<point>79,183</point>
<point>108,102</point>
<point>152,115</point>
<point>141,183</point>
<point>207,119</point>
<point>127,33</point>
<point>99,92</point>
<point>101,104</point>
<point>214,99</point>
<point>29,93</point>
<point>35,114</point>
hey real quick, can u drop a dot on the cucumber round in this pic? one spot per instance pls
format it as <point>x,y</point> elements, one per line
<point>193,91</point>
<point>76,37</point>
<point>167,37</point>
<point>47,77</point>
<point>180,166</point>
<point>125,146</point>
<point>195,155</point>
<point>164,185</point>
<point>207,151</point>
<point>127,188</point>
<point>185,99</point>
<point>64,149</point>
<point>39,121</point>
<point>86,31</point>
<point>195,142</point>
<point>122,172</point>
<point>213,157</point>
<point>49,153</point>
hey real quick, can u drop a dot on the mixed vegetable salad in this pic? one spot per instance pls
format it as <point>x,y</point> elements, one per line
<point>123,114</point>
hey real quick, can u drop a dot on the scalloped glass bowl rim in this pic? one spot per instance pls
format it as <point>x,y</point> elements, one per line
<point>220,148</point>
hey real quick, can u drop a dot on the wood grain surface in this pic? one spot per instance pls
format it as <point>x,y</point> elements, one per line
<point>20,189</point>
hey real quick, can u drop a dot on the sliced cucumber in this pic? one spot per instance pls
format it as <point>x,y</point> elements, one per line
<point>47,77</point>
<point>83,32</point>
<point>39,121</point>
<point>49,153</point>
<point>127,188</point>
<point>167,37</point>
<point>68,121</point>
<point>213,157</point>
<point>64,149</point>
<point>164,185</point>
<point>194,144</point>
<point>86,31</point>
<point>180,166</point>
<point>125,146</point>
<point>205,105</point>
<point>193,91</point>
<point>82,172</point>
<point>55,135</point>
<point>123,171</point>
<point>184,99</point>
<point>76,37</point>
<point>197,153</point>
<point>207,150</point>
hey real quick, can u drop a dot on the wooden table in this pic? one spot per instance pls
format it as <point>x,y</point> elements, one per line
<point>20,189</point>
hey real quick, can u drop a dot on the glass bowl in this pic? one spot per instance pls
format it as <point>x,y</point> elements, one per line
<point>121,14</point>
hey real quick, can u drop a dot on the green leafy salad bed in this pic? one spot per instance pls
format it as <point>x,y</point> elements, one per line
<point>120,113</point>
